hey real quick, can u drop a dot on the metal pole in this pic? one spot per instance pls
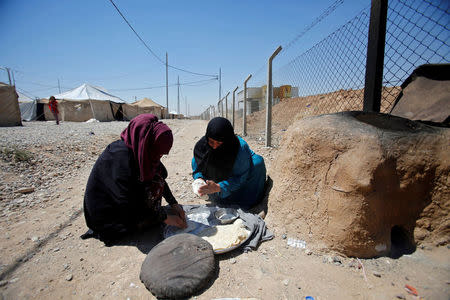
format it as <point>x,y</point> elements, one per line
<point>375,55</point>
<point>167,86</point>
<point>226,105</point>
<point>244,115</point>
<point>220,84</point>
<point>178,97</point>
<point>234,98</point>
<point>59,86</point>
<point>14,79</point>
<point>269,99</point>
<point>9,76</point>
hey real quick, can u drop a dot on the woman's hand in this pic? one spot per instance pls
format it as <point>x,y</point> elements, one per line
<point>175,220</point>
<point>179,211</point>
<point>209,188</point>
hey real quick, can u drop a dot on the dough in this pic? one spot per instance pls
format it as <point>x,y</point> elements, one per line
<point>225,236</point>
<point>196,185</point>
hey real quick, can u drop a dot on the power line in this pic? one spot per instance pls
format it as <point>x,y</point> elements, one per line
<point>161,86</point>
<point>151,51</point>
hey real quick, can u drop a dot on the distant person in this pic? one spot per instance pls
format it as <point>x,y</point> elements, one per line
<point>53,105</point>
<point>126,184</point>
<point>233,173</point>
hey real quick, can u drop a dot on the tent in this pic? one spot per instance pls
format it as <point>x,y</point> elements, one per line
<point>144,106</point>
<point>87,102</point>
<point>425,95</point>
<point>9,106</point>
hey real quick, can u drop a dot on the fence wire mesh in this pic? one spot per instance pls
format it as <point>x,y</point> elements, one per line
<point>330,76</point>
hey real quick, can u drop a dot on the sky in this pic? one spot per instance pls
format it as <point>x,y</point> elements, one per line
<point>53,45</point>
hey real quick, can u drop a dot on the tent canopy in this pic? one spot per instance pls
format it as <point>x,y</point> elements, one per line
<point>146,103</point>
<point>88,92</point>
<point>9,106</point>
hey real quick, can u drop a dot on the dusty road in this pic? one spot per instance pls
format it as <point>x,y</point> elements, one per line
<point>42,256</point>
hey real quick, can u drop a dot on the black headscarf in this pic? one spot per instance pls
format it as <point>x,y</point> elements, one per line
<point>217,164</point>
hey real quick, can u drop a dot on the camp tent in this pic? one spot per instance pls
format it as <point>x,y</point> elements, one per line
<point>87,102</point>
<point>144,106</point>
<point>9,106</point>
<point>425,95</point>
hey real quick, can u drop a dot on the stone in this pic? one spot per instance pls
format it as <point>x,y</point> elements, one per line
<point>69,277</point>
<point>347,178</point>
<point>25,190</point>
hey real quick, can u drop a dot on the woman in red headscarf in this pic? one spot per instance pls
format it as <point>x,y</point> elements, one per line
<point>127,182</point>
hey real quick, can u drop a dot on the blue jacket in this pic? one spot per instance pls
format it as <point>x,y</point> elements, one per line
<point>245,186</point>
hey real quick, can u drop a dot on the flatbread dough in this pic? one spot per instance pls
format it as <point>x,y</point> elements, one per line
<point>225,236</point>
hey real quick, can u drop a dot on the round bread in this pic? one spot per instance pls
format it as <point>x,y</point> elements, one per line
<point>178,267</point>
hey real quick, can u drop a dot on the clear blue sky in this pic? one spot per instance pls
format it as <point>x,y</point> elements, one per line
<point>87,41</point>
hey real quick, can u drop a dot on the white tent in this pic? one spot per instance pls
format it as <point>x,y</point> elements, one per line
<point>88,102</point>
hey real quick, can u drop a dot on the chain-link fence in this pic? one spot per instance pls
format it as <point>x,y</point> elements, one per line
<point>330,76</point>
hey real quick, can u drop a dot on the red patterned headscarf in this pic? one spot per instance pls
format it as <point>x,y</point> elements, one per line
<point>149,139</point>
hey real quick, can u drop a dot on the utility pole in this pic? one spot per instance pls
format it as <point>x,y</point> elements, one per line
<point>185,101</point>
<point>59,86</point>
<point>220,84</point>
<point>167,85</point>
<point>178,97</point>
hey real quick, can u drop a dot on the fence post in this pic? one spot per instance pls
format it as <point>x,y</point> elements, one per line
<point>234,98</point>
<point>269,98</point>
<point>375,56</point>
<point>226,105</point>
<point>244,112</point>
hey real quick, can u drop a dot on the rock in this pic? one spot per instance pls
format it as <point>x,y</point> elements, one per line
<point>69,277</point>
<point>376,274</point>
<point>3,282</point>
<point>400,296</point>
<point>337,259</point>
<point>308,252</point>
<point>355,173</point>
<point>232,261</point>
<point>25,190</point>
<point>35,238</point>
<point>284,236</point>
<point>286,282</point>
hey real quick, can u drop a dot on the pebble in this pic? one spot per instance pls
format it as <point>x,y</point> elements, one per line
<point>25,190</point>
<point>3,282</point>
<point>284,236</point>
<point>376,274</point>
<point>286,282</point>
<point>35,238</point>
<point>308,252</point>
<point>69,277</point>
<point>399,296</point>
<point>337,259</point>
<point>13,280</point>
<point>232,261</point>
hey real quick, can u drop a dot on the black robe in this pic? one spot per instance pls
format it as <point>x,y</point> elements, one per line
<point>115,201</point>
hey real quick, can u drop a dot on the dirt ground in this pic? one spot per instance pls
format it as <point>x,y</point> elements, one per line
<point>42,256</point>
